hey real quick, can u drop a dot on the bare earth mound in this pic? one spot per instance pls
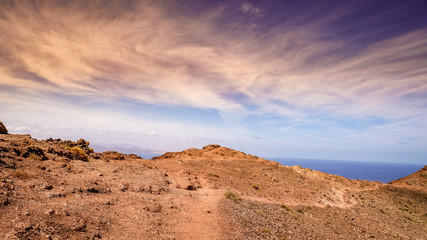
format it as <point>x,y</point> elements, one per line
<point>54,189</point>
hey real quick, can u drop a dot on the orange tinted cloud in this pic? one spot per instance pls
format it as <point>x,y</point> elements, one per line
<point>151,53</point>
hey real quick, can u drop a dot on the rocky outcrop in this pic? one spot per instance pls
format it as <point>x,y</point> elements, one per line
<point>3,129</point>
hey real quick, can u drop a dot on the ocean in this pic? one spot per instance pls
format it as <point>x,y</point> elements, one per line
<point>372,171</point>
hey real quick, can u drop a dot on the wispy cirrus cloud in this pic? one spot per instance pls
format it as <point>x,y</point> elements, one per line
<point>239,59</point>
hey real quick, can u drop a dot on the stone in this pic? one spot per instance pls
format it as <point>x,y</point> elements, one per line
<point>3,129</point>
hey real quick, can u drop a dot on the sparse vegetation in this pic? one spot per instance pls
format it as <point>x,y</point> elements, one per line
<point>35,153</point>
<point>113,155</point>
<point>233,196</point>
<point>69,167</point>
<point>78,153</point>
<point>286,208</point>
<point>89,150</point>
<point>214,175</point>
<point>35,157</point>
<point>408,208</point>
<point>255,186</point>
<point>22,175</point>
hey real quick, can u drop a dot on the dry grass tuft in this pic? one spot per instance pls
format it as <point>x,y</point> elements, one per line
<point>289,209</point>
<point>35,157</point>
<point>233,196</point>
<point>21,174</point>
<point>214,175</point>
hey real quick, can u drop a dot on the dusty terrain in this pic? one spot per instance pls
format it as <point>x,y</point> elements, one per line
<point>55,189</point>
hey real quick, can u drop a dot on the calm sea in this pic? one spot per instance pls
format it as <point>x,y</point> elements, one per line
<point>372,171</point>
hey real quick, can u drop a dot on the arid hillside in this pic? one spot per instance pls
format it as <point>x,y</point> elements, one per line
<point>416,180</point>
<point>56,189</point>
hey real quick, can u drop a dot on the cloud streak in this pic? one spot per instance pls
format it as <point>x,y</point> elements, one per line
<point>155,53</point>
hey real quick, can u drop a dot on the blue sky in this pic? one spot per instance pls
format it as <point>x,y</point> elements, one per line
<point>343,80</point>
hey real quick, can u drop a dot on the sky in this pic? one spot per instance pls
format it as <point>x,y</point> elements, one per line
<point>344,80</point>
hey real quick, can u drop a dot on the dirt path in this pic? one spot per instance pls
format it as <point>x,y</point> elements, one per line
<point>201,217</point>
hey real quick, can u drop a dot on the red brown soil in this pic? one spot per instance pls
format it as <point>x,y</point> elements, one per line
<point>417,180</point>
<point>54,189</point>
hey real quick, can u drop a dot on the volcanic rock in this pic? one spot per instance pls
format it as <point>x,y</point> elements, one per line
<point>3,129</point>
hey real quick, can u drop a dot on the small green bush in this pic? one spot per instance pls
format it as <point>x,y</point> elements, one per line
<point>256,187</point>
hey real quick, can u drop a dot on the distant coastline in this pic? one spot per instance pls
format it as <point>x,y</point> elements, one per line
<point>373,171</point>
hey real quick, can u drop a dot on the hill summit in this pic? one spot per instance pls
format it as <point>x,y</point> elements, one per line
<point>61,189</point>
<point>212,151</point>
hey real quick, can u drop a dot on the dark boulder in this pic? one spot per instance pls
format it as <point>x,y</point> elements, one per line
<point>3,129</point>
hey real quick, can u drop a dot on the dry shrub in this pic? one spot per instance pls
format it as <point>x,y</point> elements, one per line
<point>113,155</point>
<point>35,153</point>
<point>35,157</point>
<point>214,175</point>
<point>21,174</point>
<point>286,208</point>
<point>78,154</point>
<point>233,196</point>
